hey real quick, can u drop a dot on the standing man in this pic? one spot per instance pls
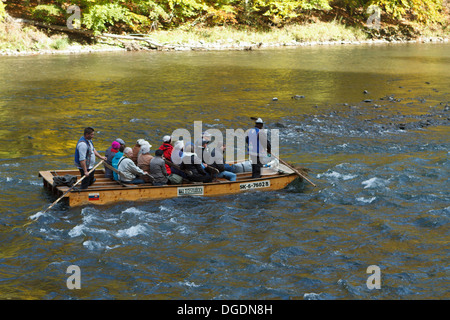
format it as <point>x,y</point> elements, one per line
<point>85,154</point>
<point>258,147</point>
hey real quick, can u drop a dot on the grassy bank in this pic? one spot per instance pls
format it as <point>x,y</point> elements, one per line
<point>16,38</point>
<point>313,32</point>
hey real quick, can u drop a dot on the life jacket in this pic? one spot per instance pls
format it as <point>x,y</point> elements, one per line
<point>77,153</point>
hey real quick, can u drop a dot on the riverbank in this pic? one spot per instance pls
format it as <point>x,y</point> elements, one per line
<point>17,38</point>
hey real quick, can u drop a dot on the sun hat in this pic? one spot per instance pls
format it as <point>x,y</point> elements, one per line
<point>145,148</point>
<point>146,143</point>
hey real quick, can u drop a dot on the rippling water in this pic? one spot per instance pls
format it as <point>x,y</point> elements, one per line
<point>380,161</point>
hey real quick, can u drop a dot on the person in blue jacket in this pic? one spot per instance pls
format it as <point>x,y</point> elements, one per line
<point>258,147</point>
<point>85,154</point>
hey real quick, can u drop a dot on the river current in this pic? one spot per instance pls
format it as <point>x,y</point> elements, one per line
<point>370,122</point>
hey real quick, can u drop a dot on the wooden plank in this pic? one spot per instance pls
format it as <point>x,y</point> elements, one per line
<point>148,192</point>
<point>105,190</point>
<point>47,176</point>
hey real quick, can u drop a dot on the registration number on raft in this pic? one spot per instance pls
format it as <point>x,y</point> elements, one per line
<point>255,185</point>
<point>190,191</point>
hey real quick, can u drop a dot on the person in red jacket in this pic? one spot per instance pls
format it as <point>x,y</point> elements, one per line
<point>167,148</point>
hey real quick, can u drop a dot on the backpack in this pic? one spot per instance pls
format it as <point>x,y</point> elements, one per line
<point>67,180</point>
<point>175,179</point>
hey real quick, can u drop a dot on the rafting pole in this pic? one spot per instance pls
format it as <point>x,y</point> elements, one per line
<point>70,189</point>
<point>287,164</point>
<point>293,169</point>
<point>150,176</point>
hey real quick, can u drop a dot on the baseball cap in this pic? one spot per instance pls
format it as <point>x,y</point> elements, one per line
<point>120,141</point>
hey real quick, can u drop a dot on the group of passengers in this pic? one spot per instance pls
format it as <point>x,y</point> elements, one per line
<point>137,165</point>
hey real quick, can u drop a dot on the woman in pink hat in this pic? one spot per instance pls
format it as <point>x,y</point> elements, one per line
<point>109,154</point>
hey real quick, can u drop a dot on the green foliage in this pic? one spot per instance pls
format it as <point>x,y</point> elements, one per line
<point>152,9</point>
<point>47,13</point>
<point>181,10</point>
<point>2,11</point>
<point>426,11</point>
<point>100,16</point>
<point>60,44</point>
<point>279,11</point>
<point>141,15</point>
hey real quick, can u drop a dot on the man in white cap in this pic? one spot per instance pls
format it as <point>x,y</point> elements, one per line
<point>258,146</point>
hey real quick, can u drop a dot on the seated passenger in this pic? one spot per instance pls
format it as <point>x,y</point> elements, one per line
<point>109,154</point>
<point>115,161</point>
<point>131,172</point>
<point>220,165</point>
<point>158,169</point>
<point>176,156</point>
<point>191,162</point>
<point>201,145</point>
<point>137,148</point>
<point>144,159</point>
<point>167,148</point>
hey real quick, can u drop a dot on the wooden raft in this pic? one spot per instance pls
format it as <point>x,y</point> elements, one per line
<point>107,191</point>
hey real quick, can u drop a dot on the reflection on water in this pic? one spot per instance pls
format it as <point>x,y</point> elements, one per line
<point>379,158</point>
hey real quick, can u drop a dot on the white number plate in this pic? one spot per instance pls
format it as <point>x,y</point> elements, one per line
<point>255,185</point>
<point>190,191</point>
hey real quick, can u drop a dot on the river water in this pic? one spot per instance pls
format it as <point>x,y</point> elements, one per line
<point>379,159</point>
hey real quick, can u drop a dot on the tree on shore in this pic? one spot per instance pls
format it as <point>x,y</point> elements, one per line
<point>142,16</point>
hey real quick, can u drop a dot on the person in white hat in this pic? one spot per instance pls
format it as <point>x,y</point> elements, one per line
<point>167,149</point>
<point>144,159</point>
<point>137,148</point>
<point>258,146</point>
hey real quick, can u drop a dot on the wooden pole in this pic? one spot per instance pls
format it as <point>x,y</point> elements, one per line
<point>70,189</point>
<point>292,168</point>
